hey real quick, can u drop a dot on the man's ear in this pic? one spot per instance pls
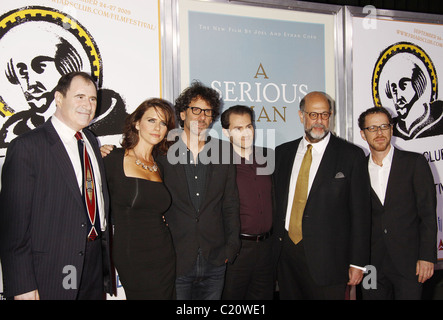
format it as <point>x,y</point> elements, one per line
<point>57,98</point>
<point>183,115</point>
<point>300,114</point>
<point>362,133</point>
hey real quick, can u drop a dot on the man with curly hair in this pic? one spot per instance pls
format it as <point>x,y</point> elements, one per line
<point>204,214</point>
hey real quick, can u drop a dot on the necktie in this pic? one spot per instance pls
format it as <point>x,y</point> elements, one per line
<point>300,197</point>
<point>88,190</point>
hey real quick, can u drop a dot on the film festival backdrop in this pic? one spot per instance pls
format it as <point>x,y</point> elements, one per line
<point>265,57</point>
<point>246,53</point>
<point>116,41</point>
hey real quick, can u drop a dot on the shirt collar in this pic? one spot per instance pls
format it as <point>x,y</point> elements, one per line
<point>66,133</point>
<point>320,146</point>
<point>387,160</point>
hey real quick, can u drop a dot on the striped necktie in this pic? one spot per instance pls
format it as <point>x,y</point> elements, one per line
<point>89,189</point>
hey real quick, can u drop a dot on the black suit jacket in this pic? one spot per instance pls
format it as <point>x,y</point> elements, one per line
<point>337,218</point>
<point>42,216</point>
<point>405,226</point>
<point>215,228</point>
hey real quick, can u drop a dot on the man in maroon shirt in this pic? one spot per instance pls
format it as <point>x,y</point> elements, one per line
<point>251,275</point>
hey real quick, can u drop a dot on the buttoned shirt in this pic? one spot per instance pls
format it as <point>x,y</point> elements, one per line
<point>195,171</point>
<point>255,193</point>
<point>379,175</point>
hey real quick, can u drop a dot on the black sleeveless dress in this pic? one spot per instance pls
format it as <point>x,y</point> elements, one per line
<point>142,251</point>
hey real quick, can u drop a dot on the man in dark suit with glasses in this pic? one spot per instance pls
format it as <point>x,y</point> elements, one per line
<point>404,228</point>
<point>322,223</point>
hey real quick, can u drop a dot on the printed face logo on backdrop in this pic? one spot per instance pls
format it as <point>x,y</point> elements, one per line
<point>404,77</point>
<point>37,46</point>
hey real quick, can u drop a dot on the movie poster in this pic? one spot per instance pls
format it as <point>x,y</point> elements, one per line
<point>265,58</point>
<point>398,64</point>
<point>118,42</point>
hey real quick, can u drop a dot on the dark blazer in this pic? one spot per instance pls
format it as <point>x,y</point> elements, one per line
<point>337,216</point>
<point>215,228</point>
<point>405,226</point>
<point>42,216</point>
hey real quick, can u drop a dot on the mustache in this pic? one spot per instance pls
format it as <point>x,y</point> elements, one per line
<point>318,125</point>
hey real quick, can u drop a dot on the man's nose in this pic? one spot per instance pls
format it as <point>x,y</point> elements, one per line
<point>202,116</point>
<point>90,104</point>
<point>319,119</point>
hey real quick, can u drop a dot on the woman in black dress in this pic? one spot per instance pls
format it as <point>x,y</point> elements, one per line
<point>143,252</point>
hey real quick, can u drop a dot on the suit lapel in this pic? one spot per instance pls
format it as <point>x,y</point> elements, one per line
<point>373,193</point>
<point>62,159</point>
<point>288,163</point>
<point>212,145</point>
<point>327,166</point>
<point>396,171</point>
<point>93,141</point>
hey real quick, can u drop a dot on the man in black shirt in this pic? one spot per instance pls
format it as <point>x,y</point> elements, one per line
<point>204,214</point>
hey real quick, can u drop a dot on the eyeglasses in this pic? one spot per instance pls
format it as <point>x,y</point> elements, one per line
<point>197,111</point>
<point>375,128</point>
<point>314,115</point>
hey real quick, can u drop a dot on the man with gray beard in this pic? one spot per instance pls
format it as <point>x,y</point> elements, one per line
<point>322,225</point>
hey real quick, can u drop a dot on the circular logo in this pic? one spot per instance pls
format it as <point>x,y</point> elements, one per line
<point>20,16</point>
<point>411,52</point>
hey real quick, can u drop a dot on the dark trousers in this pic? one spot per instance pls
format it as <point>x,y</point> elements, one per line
<point>391,284</point>
<point>294,279</point>
<point>203,282</point>
<point>91,283</point>
<point>250,277</point>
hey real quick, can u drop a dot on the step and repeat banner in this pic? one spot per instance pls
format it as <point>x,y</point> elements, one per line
<point>261,55</point>
<point>397,64</point>
<point>116,41</point>
<point>266,58</point>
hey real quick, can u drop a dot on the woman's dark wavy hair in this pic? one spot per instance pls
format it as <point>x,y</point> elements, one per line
<point>130,133</point>
<point>197,90</point>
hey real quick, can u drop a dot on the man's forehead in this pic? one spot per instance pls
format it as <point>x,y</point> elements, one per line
<point>376,117</point>
<point>80,84</point>
<point>317,105</point>
<point>240,118</point>
<point>201,103</point>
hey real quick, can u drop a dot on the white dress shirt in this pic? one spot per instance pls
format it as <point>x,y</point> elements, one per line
<point>318,149</point>
<point>379,175</point>
<point>67,135</point>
